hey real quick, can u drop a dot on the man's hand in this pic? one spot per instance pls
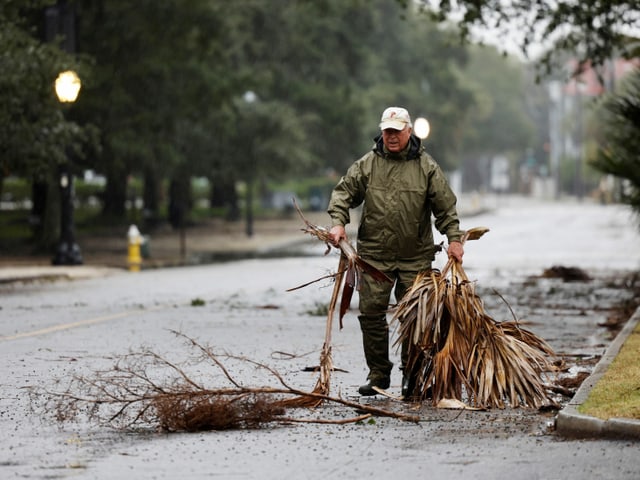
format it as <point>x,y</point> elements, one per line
<point>456,251</point>
<point>337,233</point>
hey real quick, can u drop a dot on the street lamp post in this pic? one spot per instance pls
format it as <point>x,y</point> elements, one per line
<point>67,88</point>
<point>578,183</point>
<point>250,98</point>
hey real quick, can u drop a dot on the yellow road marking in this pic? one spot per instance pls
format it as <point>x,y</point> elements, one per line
<point>81,323</point>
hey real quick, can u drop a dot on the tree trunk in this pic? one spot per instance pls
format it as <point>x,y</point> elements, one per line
<point>179,200</point>
<point>115,194</point>
<point>39,191</point>
<point>151,196</point>
<point>223,194</point>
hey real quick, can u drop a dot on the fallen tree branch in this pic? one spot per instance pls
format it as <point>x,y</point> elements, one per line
<point>129,396</point>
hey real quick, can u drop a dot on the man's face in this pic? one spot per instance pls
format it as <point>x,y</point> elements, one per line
<point>396,140</point>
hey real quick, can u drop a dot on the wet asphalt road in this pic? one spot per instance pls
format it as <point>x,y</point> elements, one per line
<point>52,330</point>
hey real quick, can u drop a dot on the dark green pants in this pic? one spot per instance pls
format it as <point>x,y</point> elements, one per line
<point>374,304</point>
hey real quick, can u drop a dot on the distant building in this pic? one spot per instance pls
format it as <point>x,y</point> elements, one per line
<point>566,114</point>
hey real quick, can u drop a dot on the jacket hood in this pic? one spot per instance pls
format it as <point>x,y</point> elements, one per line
<point>412,150</point>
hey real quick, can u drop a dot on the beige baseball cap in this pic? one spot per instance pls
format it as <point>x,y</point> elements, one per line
<point>396,118</point>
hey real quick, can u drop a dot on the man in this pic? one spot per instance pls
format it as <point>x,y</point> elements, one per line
<point>400,187</point>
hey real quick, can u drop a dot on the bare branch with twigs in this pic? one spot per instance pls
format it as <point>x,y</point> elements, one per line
<point>131,395</point>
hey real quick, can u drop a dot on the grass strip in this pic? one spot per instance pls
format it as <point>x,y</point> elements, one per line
<point>617,393</point>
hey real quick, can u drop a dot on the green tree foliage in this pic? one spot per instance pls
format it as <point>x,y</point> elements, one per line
<point>37,132</point>
<point>500,122</point>
<point>35,135</point>
<point>154,62</point>
<point>338,64</point>
<point>312,57</point>
<point>165,85</point>
<point>619,135</point>
<point>593,30</point>
<point>168,77</point>
<point>419,66</point>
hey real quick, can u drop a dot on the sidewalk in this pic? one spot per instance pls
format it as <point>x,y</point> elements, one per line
<point>215,241</point>
<point>227,241</point>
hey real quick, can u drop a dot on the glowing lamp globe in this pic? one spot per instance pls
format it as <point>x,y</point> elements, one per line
<point>68,86</point>
<point>421,127</point>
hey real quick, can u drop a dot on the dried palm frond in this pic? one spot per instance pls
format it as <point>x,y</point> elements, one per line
<point>455,347</point>
<point>323,385</point>
<point>350,268</point>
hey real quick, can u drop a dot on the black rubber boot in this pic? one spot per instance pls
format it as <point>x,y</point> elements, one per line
<point>375,341</point>
<point>408,386</point>
<point>367,390</point>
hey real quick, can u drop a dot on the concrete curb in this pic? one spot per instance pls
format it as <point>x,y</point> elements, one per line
<point>35,273</point>
<point>572,423</point>
<point>30,273</point>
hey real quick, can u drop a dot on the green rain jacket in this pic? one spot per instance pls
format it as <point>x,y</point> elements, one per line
<point>400,192</point>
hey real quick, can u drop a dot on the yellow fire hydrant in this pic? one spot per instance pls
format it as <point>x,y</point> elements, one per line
<point>134,259</point>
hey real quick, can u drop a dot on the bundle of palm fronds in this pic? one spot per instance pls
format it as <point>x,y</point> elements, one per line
<point>455,348</point>
<point>346,278</point>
